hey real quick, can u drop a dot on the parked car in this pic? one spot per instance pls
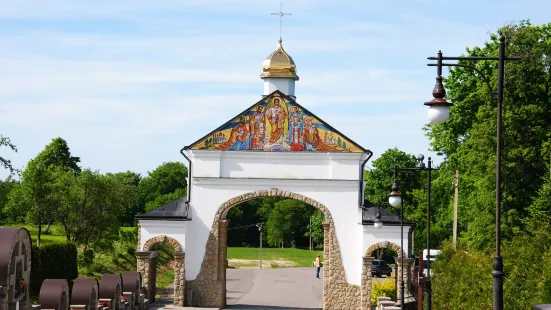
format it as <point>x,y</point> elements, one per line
<point>379,268</point>
<point>432,257</point>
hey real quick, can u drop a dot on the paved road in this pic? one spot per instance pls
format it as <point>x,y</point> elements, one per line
<point>274,288</point>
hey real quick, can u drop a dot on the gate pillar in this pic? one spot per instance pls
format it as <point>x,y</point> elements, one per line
<point>146,266</point>
<point>366,285</point>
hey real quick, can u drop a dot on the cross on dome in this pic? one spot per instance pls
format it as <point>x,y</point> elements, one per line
<point>281,14</point>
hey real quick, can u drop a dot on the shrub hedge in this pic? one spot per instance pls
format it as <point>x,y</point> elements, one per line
<point>53,261</point>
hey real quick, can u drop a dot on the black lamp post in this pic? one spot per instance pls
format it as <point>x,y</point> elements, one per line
<point>394,202</point>
<point>395,199</point>
<point>439,113</point>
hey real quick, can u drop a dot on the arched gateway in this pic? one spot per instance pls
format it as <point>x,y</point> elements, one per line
<point>276,147</point>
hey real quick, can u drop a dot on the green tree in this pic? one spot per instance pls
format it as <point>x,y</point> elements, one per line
<point>4,162</point>
<point>57,154</point>
<point>288,221</point>
<point>317,230</point>
<point>5,188</point>
<point>34,197</point>
<point>129,182</point>
<point>85,194</point>
<point>468,138</point>
<point>412,186</point>
<point>379,179</point>
<point>164,180</point>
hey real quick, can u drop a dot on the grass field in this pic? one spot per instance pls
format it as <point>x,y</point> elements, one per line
<point>55,235</point>
<point>286,257</point>
<point>241,256</point>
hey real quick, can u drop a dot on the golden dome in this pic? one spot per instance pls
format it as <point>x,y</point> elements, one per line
<point>279,65</point>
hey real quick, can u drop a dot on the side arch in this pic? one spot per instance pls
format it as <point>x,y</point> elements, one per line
<point>162,238</point>
<point>147,266</point>
<point>401,271</point>
<point>384,245</point>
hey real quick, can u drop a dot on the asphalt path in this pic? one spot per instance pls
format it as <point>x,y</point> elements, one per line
<point>274,288</point>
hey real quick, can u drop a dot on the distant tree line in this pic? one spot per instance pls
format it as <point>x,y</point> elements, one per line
<point>89,206</point>
<point>285,223</point>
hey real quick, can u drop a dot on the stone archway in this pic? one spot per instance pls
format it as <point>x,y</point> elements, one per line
<point>147,266</point>
<point>210,284</point>
<point>368,260</point>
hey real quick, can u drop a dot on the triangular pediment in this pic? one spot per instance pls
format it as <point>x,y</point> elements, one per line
<point>277,123</point>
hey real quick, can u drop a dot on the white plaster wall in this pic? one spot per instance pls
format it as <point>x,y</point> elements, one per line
<point>312,176</point>
<point>371,236</point>
<point>152,228</point>
<point>286,86</point>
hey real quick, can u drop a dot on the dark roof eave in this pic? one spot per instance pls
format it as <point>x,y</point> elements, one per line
<point>167,218</point>
<point>406,224</point>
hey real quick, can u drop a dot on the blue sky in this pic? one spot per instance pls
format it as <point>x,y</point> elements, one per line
<point>129,83</point>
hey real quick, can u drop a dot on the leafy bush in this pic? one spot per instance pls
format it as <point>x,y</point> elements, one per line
<point>463,280</point>
<point>385,288</point>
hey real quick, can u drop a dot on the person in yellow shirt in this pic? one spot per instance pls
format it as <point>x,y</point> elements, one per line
<point>318,266</point>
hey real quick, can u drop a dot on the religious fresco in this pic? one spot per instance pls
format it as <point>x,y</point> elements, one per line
<point>276,124</point>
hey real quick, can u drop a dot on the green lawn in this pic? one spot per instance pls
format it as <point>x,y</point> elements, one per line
<point>55,236</point>
<point>301,258</point>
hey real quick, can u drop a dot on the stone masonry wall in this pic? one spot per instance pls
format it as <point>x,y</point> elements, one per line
<point>367,261</point>
<point>144,267</point>
<point>209,286</point>
<point>179,279</point>
<point>139,237</point>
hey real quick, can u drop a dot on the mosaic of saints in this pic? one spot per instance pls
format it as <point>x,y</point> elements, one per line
<point>312,138</point>
<point>277,125</point>
<point>239,139</point>
<point>295,136</point>
<point>257,125</point>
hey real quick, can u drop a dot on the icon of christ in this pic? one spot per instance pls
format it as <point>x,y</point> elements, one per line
<point>277,118</point>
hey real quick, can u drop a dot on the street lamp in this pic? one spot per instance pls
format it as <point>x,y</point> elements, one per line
<point>394,199</point>
<point>378,224</point>
<point>440,113</point>
<point>259,225</point>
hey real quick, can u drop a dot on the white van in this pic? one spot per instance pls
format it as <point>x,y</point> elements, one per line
<point>432,256</point>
